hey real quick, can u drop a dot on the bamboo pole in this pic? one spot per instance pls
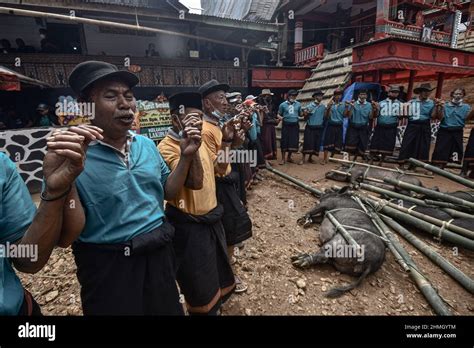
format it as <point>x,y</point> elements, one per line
<point>439,232</point>
<point>450,269</point>
<point>301,184</point>
<point>345,234</point>
<point>428,291</point>
<point>430,193</point>
<point>381,168</point>
<point>425,203</point>
<point>446,174</point>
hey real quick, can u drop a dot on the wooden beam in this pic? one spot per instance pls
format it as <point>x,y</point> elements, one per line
<point>411,81</point>
<point>439,86</point>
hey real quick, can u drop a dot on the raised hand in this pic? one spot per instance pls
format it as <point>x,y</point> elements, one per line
<point>66,155</point>
<point>191,141</point>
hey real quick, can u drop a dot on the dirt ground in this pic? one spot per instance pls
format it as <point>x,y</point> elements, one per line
<point>275,287</point>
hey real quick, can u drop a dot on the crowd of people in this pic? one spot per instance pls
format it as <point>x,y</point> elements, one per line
<point>43,117</point>
<point>146,223</point>
<point>154,229</point>
<point>373,127</point>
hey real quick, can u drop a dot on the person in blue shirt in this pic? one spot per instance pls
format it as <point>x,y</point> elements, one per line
<point>385,133</point>
<point>290,112</point>
<point>35,232</point>
<point>314,115</point>
<point>449,140</point>
<point>360,113</point>
<point>121,242</point>
<point>417,137</point>
<point>335,113</point>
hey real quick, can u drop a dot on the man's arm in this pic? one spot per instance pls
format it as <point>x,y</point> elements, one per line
<point>189,145</point>
<point>74,219</point>
<point>62,164</point>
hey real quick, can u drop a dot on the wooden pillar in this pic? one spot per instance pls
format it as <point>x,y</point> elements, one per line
<point>439,86</point>
<point>298,35</point>
<point>382,16</point>
<point>411,81</point>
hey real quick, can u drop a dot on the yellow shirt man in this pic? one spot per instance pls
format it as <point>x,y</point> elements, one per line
<point>195,202</point>
<point>212,136</point>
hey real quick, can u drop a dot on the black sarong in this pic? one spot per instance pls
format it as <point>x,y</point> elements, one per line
<point>137,277</point>
<point>269,147</point>
<point>29,307</point>
<point>236,221</point>
<point>469,154</point>
<point>357,138</point>
<point>384,139</point>
<point>416,141</point>
<point>290,137</point>
<point>204,274</point>
<point>312,139</point>
<point>333,138</point>
<point>448,143</point>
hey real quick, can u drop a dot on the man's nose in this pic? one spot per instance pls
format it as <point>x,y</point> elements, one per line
<point>123,103</point>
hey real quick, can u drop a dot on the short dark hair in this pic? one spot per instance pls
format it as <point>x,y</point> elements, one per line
<point>458,89</point>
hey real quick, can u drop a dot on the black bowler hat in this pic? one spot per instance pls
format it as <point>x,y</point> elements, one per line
<point>317,92</point>
<point>185,99</point>
<point>292,92</point>
<point>212,86</point>
<point>86,73</point>
<point>423,87</point>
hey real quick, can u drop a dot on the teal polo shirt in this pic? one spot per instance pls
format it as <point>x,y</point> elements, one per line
<point>455,115</point>
<point>421,110</point>
<point>290,112</point>
<point>390,111</point>
<point>361,113</point>
<point>317,111</point>
<point>122,201</point>
<point>254,130</point>
<point>336,115</point>
<point>16,214</point>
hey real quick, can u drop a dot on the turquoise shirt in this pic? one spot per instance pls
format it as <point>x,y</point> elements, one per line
<point>421,110</point>
<point>390,111</point>
<point>455,115</point>
<point>122,201</point>
<point>16,214</point>
<point>254,130</point>
<point>361,113</point>
<point>317,111</point>
<point>290,112</point>
<point>336,115</point>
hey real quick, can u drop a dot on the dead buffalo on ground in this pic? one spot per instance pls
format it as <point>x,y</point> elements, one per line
<point>335,250</point>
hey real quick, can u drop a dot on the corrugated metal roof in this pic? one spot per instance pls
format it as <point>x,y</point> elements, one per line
<point>243,10</point>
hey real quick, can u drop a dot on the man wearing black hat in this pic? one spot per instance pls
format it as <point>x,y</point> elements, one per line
<point>360,113</point>
<point>290,112</point>
<point>385,134</point>
<point>314,115</point>
<point>220,140</point>
<point>122,242</point>
<point>204,273</point>
<point>417,137</point>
